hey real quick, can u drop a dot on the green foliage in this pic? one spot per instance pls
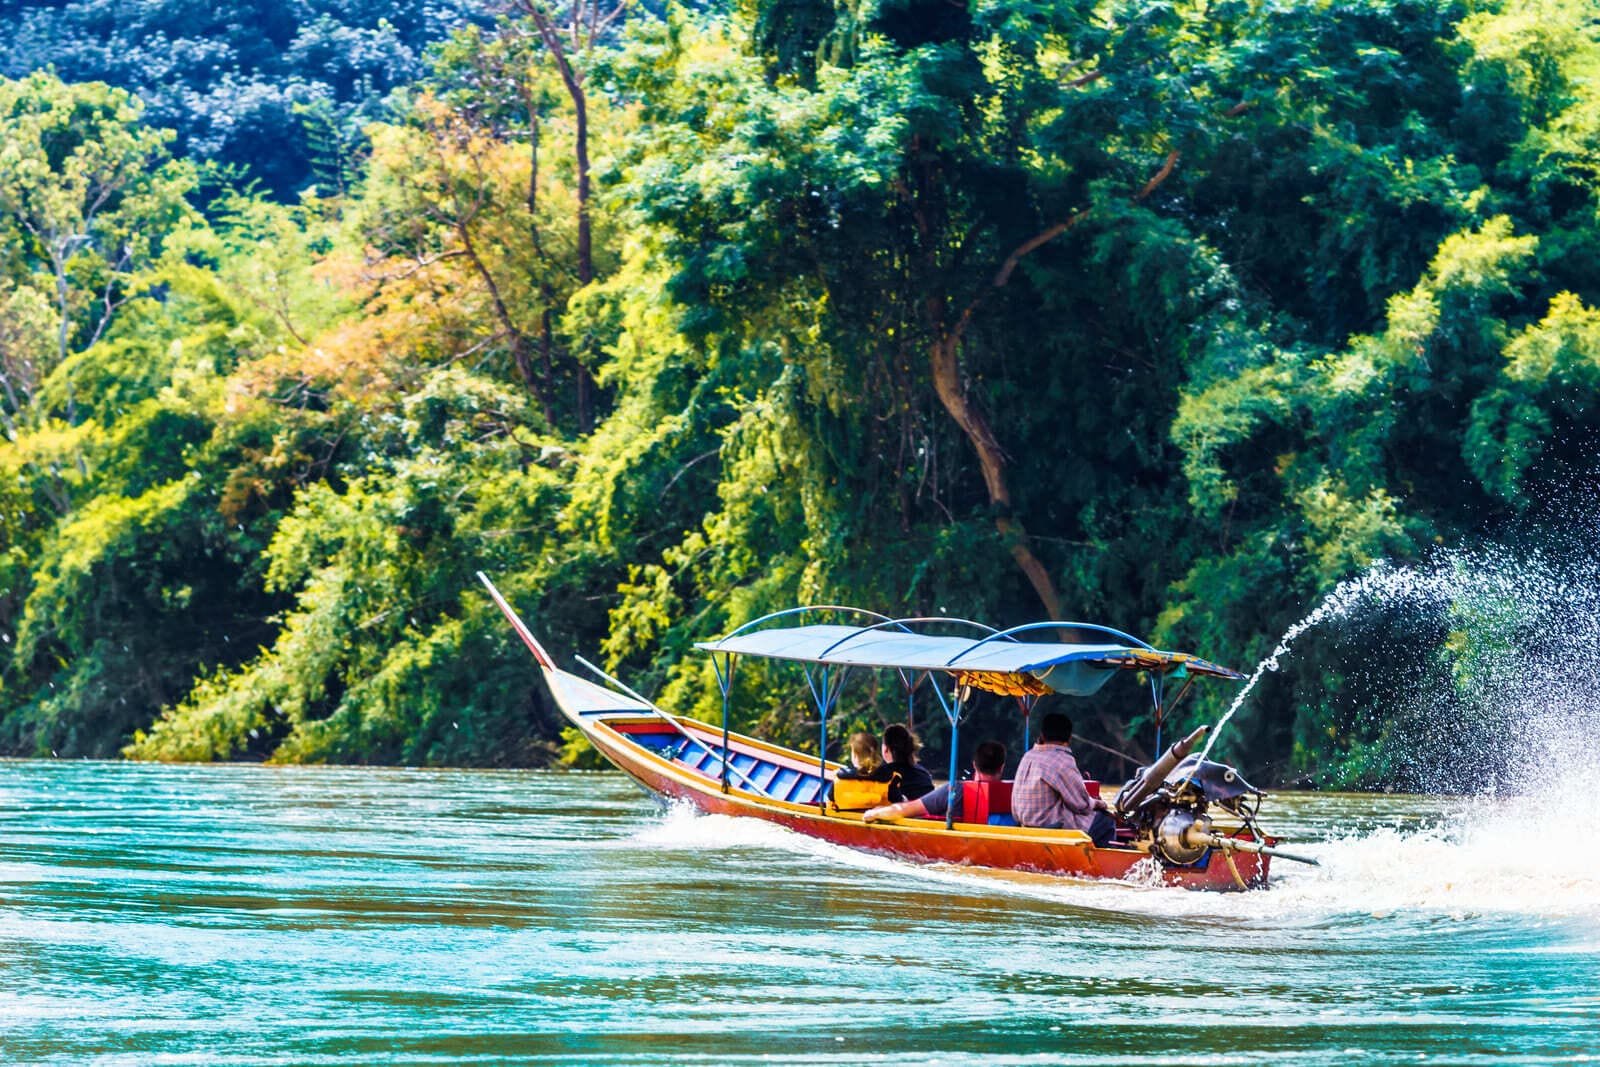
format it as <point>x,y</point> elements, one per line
<point>86,197</point>
<point>234,79</point>
<point>380,659</point>
<point>1198,308</point>
<point>1337,450</point>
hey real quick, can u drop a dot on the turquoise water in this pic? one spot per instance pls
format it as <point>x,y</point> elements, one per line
<point>251,915</point>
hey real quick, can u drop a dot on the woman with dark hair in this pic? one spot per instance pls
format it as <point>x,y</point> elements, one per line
<point>907,778</point>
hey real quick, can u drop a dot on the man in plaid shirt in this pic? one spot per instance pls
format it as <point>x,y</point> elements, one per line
<point>1049,790</point>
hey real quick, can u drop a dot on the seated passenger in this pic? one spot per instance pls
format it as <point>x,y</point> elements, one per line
<point>1049,790</point>
<point>864,761</point>
<point>907,778</point>
<point>988,764</point>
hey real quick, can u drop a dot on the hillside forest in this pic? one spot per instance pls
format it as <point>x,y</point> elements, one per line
<point>1165,315</point>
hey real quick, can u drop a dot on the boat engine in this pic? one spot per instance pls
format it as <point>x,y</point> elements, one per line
<point>1169,805</point>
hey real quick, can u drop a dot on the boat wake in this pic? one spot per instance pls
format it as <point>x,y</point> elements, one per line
<point>1520,858</point>
<point>1506,866</point>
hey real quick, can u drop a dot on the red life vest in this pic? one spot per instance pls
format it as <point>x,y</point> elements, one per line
<point>979,800</point>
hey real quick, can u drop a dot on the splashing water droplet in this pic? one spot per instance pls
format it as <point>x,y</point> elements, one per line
<point>1525,627</point>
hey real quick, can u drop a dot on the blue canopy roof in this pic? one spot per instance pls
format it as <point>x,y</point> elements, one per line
<point>998,662</point>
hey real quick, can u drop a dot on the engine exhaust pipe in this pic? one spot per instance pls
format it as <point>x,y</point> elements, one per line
<point>1135,792</point>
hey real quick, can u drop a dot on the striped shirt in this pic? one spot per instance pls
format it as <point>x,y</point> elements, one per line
<point>1049,790</point>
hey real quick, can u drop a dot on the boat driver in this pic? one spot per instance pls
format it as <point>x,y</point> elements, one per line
<point>1049,792</point>
<point>988,765</point>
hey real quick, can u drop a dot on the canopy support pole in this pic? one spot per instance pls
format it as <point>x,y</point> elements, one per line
<point>1158,687</point>
<point>822,738</point>
<point>1164,706</point>
<point>1027,701</point>
<point>943,702</point>
<point>825,695</point>
<point>955,732</point>
<point>910,683</point>
<point>725,683</point>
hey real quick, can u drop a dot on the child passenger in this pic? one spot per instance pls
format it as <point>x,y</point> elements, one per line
<point>864,761</point>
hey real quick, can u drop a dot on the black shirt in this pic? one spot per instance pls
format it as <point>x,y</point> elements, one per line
<point>907,781</point>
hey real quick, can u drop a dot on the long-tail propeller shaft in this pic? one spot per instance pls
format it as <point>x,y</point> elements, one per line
<point>1234,844</point>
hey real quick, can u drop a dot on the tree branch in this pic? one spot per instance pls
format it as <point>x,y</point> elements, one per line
<point>1160,176</point>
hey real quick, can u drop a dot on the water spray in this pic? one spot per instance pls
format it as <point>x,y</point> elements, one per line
<point>1530,624</point>
<point>1337,604</point>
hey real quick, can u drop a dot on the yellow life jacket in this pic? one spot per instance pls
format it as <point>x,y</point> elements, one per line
<point>859,794</point>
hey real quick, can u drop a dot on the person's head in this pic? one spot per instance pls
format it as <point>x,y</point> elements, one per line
<point>899,745</point>
<point>864,750</point>
<point>990,760</point>
<point>1055,729</point>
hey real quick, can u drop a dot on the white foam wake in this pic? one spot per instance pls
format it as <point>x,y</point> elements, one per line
<point>1513,858</point>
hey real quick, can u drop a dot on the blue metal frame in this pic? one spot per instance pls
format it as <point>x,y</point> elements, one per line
<point>955,748</point>
<point>1163,705</point>
<point>1027,627</point>
<point>798,611</point>
<point>825,690</point>
<point>902,624</point>
<point>1027,702</point>
<point>911,694</point>
<point>825,699</point>
<point>831,684</point>
<point>910,686</point>
<point>724,683</point>
<point>1158,691</point>
<point>826,685</point>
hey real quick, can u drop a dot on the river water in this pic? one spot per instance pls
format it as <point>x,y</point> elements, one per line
<point>255,915</point>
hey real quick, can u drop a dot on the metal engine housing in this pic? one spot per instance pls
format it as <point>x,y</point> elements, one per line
<point>1172,840</point>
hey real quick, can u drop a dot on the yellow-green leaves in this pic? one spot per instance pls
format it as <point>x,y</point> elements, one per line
<point>1551,376</point>
<point>86,194</point>
<point>1346,532</point>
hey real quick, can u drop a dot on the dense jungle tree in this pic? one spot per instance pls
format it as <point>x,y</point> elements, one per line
<point>1170,315</point>
<point>273,87</point>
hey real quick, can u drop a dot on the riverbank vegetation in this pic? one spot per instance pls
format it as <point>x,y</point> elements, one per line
<point>1168,316</point>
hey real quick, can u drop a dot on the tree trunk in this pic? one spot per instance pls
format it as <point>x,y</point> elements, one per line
<point>945,362</point>
<point>58,264</point>
<point>580,109</point>
<point>533,170</point>
<point>521,353</point>
<point>945,359</point>
<point>546,347</point>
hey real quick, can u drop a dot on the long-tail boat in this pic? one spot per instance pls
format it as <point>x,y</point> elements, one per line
<point>1181,821</point>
